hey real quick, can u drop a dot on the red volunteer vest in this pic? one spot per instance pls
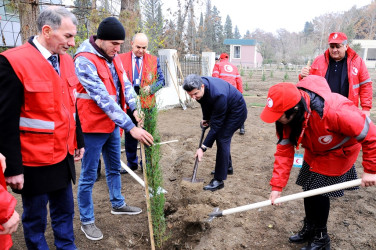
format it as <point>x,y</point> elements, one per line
<point>93,119</point>
<point>148,77</point>
<point>47,125</point>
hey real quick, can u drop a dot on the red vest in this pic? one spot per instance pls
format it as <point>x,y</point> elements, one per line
<point>47,125</point>
<point>93,119</point>
<point>149,74</point>
<point>360,84</point>
<point>7,206</point>
<point>228,72</point>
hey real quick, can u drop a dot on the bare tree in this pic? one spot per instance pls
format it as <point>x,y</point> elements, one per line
<point>28,13</point>
<point>130,17</point>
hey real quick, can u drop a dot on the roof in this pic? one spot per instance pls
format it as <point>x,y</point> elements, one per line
<point>240,42</point>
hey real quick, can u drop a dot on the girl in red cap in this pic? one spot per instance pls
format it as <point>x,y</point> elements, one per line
<point>332,130</point>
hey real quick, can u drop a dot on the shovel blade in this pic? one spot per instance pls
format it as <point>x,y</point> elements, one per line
<point>193,180</point>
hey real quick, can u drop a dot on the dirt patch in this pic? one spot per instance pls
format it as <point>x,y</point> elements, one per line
<point>351,221</point>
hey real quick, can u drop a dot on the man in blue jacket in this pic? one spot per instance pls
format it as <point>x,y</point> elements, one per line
<point>224,110</point>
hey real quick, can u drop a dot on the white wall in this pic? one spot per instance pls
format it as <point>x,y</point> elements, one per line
<point>168,96</point>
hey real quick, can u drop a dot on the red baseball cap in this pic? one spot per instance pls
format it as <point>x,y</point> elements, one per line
<point>281,97</point>
<point>223,56</point>
<point>337,37</point>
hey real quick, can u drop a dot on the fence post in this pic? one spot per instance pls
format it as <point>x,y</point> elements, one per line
<point>208,61</point>
<point>168,96</point>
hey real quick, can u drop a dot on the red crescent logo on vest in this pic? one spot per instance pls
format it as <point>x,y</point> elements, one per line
<point>269,102</point>
<point>299,161</point>
<point>150,76</point>
<point>355,71</point>
<point>326,139</point>
<point>228,68</point>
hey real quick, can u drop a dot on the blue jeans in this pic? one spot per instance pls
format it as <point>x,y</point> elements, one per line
<point>34,219</point>
<point>109,145</point>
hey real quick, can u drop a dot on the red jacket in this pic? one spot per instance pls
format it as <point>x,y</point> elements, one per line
<point>331,142</point>
<point>93,119</point>
<point>360,84</point>
<point>47,122</point>
<point>7,206</point>
<point>228,72</point>
<point>148,76</point>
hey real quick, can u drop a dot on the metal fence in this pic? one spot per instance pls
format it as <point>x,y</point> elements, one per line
<point>188,65</point>
<point>191,65</point>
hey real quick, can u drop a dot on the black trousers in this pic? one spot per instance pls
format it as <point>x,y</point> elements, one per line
<point>317,210</point>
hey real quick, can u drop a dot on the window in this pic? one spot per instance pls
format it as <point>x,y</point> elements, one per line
<point>237,52</point>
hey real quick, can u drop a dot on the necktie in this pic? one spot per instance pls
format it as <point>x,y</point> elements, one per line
<point>136,81</point>
<point>53,60</point>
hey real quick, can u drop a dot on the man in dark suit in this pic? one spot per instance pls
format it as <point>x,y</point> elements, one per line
<point>38,127</point>
<point>224,110</point>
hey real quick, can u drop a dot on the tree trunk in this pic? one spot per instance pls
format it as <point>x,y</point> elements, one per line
<point>28,13</point>
<point>130,17</point>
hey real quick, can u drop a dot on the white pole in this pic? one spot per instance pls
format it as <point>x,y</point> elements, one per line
<point>138,179</point>
<point>133,174</point>
<point>291,197</point>
<point>160,143</point>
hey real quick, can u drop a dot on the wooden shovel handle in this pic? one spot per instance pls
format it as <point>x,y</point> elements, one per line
<point>291,197</point>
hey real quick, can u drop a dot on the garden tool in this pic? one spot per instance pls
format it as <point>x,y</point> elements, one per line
<point>193,179</point>
<point>138,179</point>
<point>313,192</point>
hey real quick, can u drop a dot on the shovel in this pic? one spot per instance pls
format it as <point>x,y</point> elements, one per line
<point>313,192</point>
<point>193,179</point>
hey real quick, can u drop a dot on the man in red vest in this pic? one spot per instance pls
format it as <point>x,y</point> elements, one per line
<point>143,71</point>
<point>344,70</point>
<point>38,127</point>
<point>103,94</point>
<point>229,72</point>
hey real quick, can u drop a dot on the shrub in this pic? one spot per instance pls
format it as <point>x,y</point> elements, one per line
<point>154,175</point>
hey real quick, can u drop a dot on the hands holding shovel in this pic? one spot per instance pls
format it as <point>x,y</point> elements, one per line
<point>204,124</point>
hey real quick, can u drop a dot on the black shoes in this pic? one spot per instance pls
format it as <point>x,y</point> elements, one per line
<point>242,130</point>
<point>230,171</point>
<point>320,241</point>
<point>304,235</point>
<point>214,185</point>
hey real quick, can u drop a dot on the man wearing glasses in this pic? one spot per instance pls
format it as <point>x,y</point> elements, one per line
<point>344,70</point>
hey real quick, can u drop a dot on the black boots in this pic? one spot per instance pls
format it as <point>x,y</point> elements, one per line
<point>304,235</point>
<point>320,240</point>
